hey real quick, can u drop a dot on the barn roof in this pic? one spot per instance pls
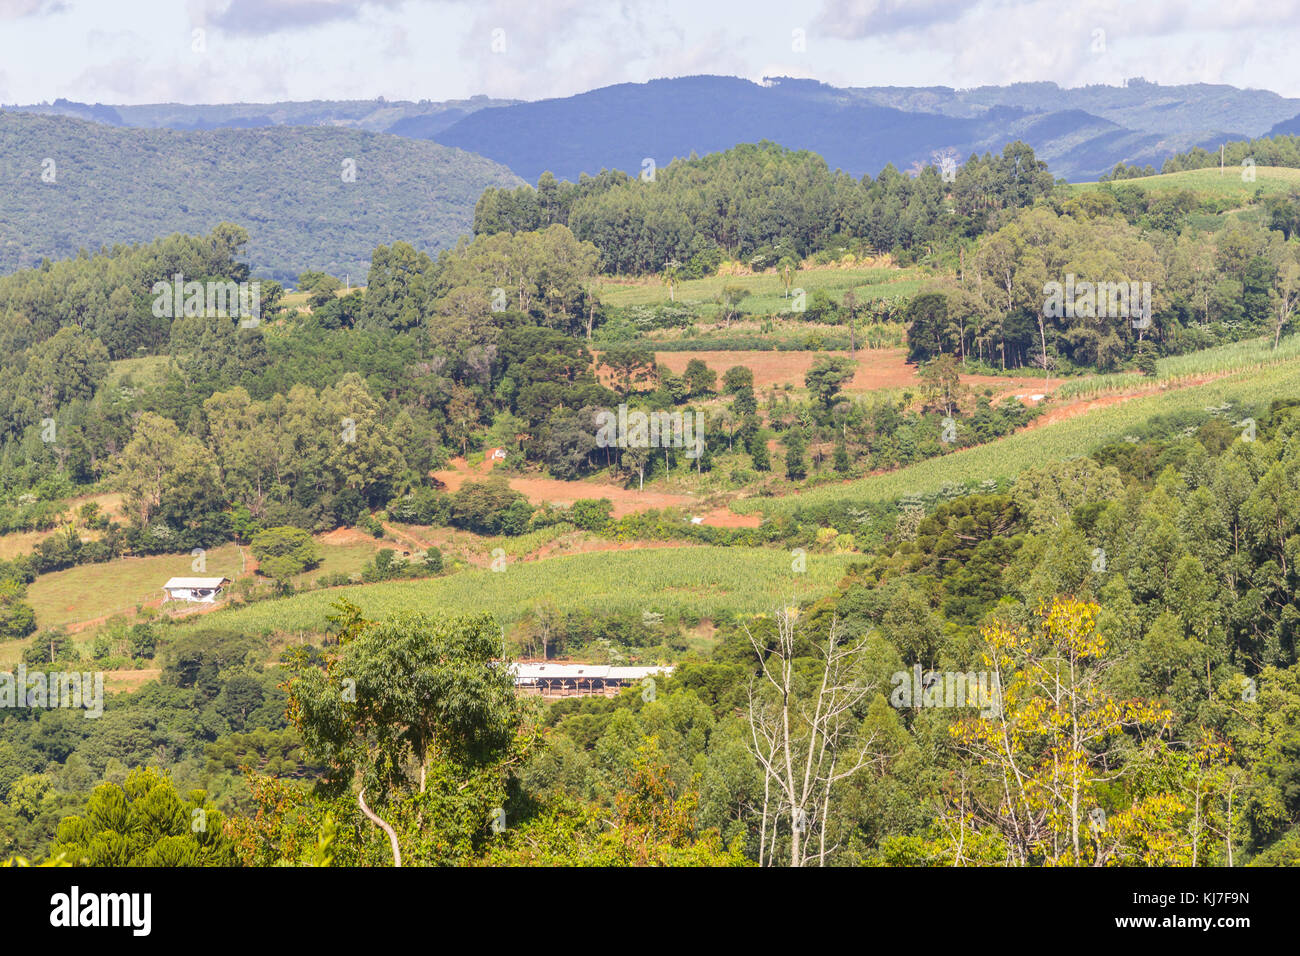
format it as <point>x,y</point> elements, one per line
<point>174,584</point>
<point>568,671</point>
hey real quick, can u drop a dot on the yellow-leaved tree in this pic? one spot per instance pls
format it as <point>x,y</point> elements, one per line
<point>1062,771</point>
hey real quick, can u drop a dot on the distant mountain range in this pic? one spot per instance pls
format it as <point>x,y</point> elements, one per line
<point>403,117</point>
<point>311,197</point>
<point>1081,132</point>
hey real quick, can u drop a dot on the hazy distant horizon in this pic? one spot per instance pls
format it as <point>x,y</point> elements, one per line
<point>50,101</point>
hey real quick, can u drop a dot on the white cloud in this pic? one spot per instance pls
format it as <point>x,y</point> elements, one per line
<point>13,9</point>
<point>131,51</point>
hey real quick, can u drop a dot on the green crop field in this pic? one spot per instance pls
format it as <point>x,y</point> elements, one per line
<point>1235,356</point>
<point>1008,456</point>
<point>1211,183</point>
<point>767,290</point>
<point>700,582</point>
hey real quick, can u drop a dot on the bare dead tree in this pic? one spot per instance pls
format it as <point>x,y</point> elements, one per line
<point>383,825</point>
<point>807,740</point>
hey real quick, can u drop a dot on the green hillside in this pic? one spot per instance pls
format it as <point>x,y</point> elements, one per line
<point>1036,447</point>
<point>688,582</point>
<point>286,185</point>
<point>1211,183</point>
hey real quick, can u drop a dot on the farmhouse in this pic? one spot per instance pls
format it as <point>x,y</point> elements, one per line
<point>550,679</point>
<point>203,590</point>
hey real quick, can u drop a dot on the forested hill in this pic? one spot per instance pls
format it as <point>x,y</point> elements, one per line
<point>420,119</point>
<point>72,184</point>
<point>1080,133</point>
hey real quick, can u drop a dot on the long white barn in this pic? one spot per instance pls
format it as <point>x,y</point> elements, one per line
<point>568,679</point>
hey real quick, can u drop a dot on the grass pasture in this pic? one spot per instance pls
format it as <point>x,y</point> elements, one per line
<point>92,591</point>
<point>767,290</point>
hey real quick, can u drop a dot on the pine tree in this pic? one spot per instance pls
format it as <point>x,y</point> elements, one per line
<point>795,446</point>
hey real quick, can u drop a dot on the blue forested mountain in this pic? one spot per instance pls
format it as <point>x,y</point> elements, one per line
<point>1081,133</point>
<point>73,184</point>
<point>418,119</point>
<point>1289,127</point>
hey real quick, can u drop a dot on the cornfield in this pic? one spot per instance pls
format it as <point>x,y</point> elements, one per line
<point>1236,356</point>
<point>698,582</point>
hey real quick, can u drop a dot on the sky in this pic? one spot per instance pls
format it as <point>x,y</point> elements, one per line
<point>223,51</point>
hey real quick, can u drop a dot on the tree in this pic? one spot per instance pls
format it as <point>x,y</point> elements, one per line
<point>942,383</point>
<point>796,446</point>
<point>488,507</point>
<point>591,514</point>
<point>730,299</point>
<point>737,378</point>
<point>144,822</point>
<point>630,366</point>
<point>68,366</point>
<point>804,732</point>
<point>842,462</point>
<point>1057,745</point>
<point>635,459</point>
<point>284,552</point>
<point>50,647</point>
<point>405,698</point>
<point>700,379</point>
<point>1284,296</point>
<point>320,287</point>
<point>160,466</point>
<point>927,326</point>
<point>671,276</point>
<point>827,376</point>
<point>17,619</point>
<point>462,415</point>
<point>850,302</point>
<point>787,267</point>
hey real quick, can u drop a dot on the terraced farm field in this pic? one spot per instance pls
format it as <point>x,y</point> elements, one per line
<point>689,581</point>
<point>1051,441</point>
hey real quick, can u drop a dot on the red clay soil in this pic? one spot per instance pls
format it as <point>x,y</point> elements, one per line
<point>877,368</point>
<point>625,501</point>
<point>1076,408</point>
<point>458,470</point>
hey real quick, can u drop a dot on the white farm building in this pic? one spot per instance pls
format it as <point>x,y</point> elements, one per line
<point>565,679</point>
<point>202,590</point>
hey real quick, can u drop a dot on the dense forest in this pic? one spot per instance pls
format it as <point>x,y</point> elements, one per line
<point>319,195</point>
<point>764,203</point>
